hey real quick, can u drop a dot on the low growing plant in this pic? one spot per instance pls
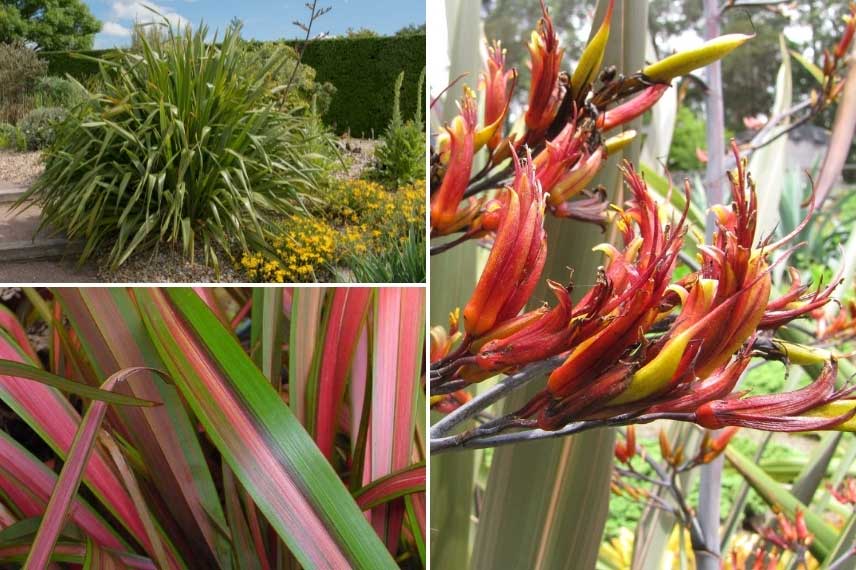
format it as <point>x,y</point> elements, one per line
<point>11,138</point>
<point>178,148</point>
<point>40,126</point>
<point>58,92</point>
<point>400,262</point>
<point>359,219</point>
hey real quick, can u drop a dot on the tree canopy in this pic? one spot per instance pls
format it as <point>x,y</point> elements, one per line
<point>48,24</point>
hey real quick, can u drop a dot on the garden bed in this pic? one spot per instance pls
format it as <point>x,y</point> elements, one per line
<point>168,265</point>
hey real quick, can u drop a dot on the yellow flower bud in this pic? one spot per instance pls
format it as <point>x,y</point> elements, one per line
<point>684,62</point>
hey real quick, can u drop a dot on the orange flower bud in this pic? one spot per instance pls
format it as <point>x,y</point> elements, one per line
<point>629,110</point>
<point>546,60</point>
<point>516,259</point>
<point>497,93</point>
<point>444,202</point>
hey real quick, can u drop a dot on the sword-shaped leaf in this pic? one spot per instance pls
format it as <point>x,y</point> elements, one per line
<point>259,438</point>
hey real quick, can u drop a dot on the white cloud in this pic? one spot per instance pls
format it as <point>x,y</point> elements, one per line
<point>137,11</point>
<point>115,29</point>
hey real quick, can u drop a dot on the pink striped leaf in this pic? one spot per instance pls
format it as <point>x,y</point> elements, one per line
<point>70,477</point>
<point>346,316</point>
<point>393,486</point>
<point>53,418</point>
<point>9,323</point>
<point>113,337</point>
<point>271,454</point>
<point>35,482</point>
<point>360,401</point>
<point>399,319</point>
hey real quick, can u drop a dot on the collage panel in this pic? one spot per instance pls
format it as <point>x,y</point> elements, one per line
<point>212,142</point>
<point>642,292</point>
<point>214,427</point>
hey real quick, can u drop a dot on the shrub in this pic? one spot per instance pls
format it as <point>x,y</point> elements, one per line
<point>58,92</point>
<point>12,138</point>
<point>304,250</point>
<point>360,219</point>
<point>400,156</point>
<point>174,149</point>
<point>20,68</point>
<point>39,126</point>
<point>304,91</point>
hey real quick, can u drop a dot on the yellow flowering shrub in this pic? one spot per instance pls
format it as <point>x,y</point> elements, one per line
<point>359,217</point>
<point>304,248</point>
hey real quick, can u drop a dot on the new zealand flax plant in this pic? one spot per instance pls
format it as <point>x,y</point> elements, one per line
<point>212,428</point>
<point>642,342</point>
<point>180,146</point>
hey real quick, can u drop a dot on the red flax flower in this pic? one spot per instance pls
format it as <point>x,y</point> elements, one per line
<point>615,371</point>
<point>458,156</point>
<point>516,259</point>
<point>778,412</point>
<point>545,64</point>
<point>597,369</point>
<point>497,91</point>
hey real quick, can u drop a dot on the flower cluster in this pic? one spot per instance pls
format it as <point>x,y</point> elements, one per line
<point>564,125</point>
<point>304,247</point>
<point>639,344</point>
<point>358,217</point>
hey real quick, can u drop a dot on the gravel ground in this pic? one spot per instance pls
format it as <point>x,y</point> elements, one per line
<point>168,266</point>
<point>358,154</point>
<point>20,168</point>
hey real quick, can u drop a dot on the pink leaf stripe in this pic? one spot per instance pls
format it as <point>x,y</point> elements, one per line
<point>114,338</point>
<point>357,386</point>
<point>69,479</point>
<point>305,316</point>
<point>259,438</point>
<point>9,322</point>
<point>28,483</point>
<point>399,333</point>
<point>347,313</point>
<point>410,480</point>
<point>77,553</point>
<point>50,415</point>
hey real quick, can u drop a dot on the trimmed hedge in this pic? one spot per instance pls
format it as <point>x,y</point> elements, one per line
<point>63,62</point>
<point>363,70</point>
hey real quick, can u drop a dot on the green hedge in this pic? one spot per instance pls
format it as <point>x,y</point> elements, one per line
<point>363,70</point>
<point>63,62</point>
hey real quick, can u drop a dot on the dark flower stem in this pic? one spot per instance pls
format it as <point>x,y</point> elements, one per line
<point>488,435</point>
<point>492,395</point>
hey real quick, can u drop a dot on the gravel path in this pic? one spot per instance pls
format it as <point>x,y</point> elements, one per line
<point>169,266</point>
<point>358,155</point>
<point>19,168</point>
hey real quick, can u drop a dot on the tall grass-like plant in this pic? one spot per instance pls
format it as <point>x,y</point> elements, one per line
<point>220,428</point>
<point>178,148</point>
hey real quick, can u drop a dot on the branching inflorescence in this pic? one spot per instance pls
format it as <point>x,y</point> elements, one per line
<point>639,345</point>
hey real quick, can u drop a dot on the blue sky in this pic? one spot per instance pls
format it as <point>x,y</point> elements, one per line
<point>263,19</point>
